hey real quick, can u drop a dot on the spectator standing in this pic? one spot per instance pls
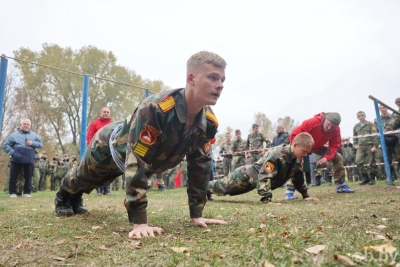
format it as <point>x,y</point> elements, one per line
<point>21,147</point>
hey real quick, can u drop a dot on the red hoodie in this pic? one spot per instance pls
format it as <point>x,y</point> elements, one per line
<point>94,127</point>
<point>313,126</point>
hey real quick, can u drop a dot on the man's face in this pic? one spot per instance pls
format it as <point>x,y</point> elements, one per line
<point>238,135</point>
<point>383,110</point>
<point>300,152</point>
<point>279,129</point>
<point>105,113</point>
<point>361,116</point>
<point>228,137</point>
<point>328,126</point>
<point>25,126</point>
<point>207,83</point>
<point>255,129</point>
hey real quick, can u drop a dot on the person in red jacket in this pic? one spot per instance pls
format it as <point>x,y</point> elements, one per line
<point>96,125</point>
<point>104,119</point>
<point>324,128</point>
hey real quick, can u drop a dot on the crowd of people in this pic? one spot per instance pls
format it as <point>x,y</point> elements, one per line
<point>176,129</point>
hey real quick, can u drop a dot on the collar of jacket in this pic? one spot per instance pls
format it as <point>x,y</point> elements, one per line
<point>105,120</point>
<point>181,110</point>
<point>23,132</point>
<point>288,155</point>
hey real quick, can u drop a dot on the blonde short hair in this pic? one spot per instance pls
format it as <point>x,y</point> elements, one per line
<point>304,139</point>
<point>205,57</point>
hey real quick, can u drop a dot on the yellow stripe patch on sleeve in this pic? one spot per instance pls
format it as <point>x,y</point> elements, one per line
<point>212,118</point>
<point>166,104</point>
<point>140,150</point>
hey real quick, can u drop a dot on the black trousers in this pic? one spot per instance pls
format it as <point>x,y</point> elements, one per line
<point>15,169</point>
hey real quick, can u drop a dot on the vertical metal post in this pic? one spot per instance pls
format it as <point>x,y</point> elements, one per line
<point>147,93</point>
<point>383,144</point>
<point>3,79</point>
<point>85,95</point>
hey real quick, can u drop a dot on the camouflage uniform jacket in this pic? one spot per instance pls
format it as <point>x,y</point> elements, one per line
<point>158,139</point>
<point>367,128</point>
<point>239,145</point>
<point>43,165</point>
<point>226,148</point>
<point>277,166</point>
<point>349,153</point>
<point>255,141</point>
<point>394,124</point>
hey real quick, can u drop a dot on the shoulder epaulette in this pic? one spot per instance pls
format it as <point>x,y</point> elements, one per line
<point>212,117</point>
<point>166,104</point>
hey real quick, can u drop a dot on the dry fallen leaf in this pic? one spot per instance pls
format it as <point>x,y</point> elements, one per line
<point>384,219</point>
<point>344,260</point>
<point>78,237</point>
<point>267,264</point>
<point>263,225</point>
<point>305,236</point>
<point>18,246</point>
<point>103,247</point>
<point>180,249</point>
<point>271,234</point>
<point>97,227</point>
<point>221,256</point>
<point>376,235</point>
<point>60,242</point>
<point>58,258</point>
<point>381,226</point>
<point>388,248</point>
<point>136,244</point>
<point>252,230</point>
<point>316,249</point>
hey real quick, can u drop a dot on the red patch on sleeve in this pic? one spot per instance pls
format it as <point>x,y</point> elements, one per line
<point>149,134</point>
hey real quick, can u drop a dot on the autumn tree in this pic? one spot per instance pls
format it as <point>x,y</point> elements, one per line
<point>53,98</point>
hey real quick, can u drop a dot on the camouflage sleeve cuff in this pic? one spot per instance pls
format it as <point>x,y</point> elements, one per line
<point>196,212</point>
<point>137,216</point>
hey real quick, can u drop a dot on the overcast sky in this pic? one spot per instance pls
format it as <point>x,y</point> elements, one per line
<point>294,58</point>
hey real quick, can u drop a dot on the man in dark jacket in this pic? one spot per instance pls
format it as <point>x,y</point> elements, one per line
<point>281,138</point>
<point>21,148</point>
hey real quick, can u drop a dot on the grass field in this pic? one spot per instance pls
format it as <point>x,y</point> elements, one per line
<point>257,234</point>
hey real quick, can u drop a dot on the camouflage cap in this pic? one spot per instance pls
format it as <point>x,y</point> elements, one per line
<point>65,155</point>
<point>36,156</point>
<point>73,156</point>
<point>397,100</point>
<point>43,152</point>
<point>333,117</point>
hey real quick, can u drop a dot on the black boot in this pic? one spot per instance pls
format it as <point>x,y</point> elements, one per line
<point>77,204</point>
<point>61,202</point>
<point>161,188</point>
<point>365,179</point>
<point>317,180</point>
<point>209,197</point>
<point>372,179</point>
<point>107,191</point>
<point>329,179</point>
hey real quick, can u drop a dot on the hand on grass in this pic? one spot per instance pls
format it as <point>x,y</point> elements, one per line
<point>144,230</point>
<point>311,199</point>
<point>202,222</point>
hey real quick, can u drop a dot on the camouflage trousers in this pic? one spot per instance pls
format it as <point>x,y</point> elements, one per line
<point>115,184</point>
<point>338,172</point>
<point>238,161</point>
<point>227,165</point>
<point>253,158</point>
<point>42,181</point>
<point>97,167</point>
<point>245,179</point>
<point>158,177</point>
<point>352,173</point>
<point>35,179</point>
<point>379,159</point>
<point>365,156</point>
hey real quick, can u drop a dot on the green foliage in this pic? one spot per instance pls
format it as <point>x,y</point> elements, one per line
<point>52,99</point>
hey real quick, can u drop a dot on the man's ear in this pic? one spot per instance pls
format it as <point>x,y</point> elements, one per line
<point>190,79</point>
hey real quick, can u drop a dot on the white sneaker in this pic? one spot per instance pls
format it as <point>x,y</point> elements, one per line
<point>13,195</point>
<point>27,195</point>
